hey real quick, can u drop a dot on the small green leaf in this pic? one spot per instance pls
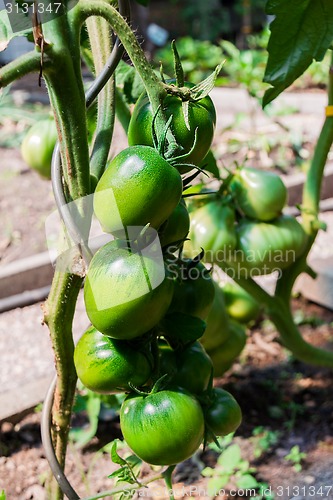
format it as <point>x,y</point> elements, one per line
<point>183,327</point>
<point>299,34</point>
<point>2,495</point>
<point>247,481</point>
<point>230,458</point>
<point>178,68</point>
<point>217,483</point>
<point>116,459</point>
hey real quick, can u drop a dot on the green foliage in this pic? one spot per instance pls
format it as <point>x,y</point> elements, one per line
<point>263,440</point>
<point>128,472</point>
<point>295,456</point>
<point>2,495</point>
<point>231,468</point>
<point>296,40</point>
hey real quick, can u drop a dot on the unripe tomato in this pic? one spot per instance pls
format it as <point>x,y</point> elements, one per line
<point>194,292</point>
<point>264,247</point>
<point>201,117</point>
<point>177,226</point>
<point>38,145</point>
<point>259,194</point>
<point>225,354</point>
<point>224,415</point>
<point>240,305</point>
<point>138,188</point>
<point>126,292</point>
<point>190,368</point>
<point>213,229</point>
<point>107,365</point>
<point>162,428</point>
<point>217,322</point>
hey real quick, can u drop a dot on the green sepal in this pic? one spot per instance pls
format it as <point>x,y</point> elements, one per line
<point>203,88</point>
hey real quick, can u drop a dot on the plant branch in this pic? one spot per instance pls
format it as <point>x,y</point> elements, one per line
<point>27,63</point>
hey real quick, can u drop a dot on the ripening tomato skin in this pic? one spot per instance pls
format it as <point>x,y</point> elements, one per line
<point>138,187</point>
<point>264,247</point>
<point>224,414</point>
<point>190,368</point>
<point>176,227</point>
<point>38,145</point>
<point>201,117</point>
<point>259,194</point>
<point>240,305</point>
<point>126,292</point>
<point>225,354</point>
<point>106,365</point>
<point>162,428</point>
<point>217,322</point>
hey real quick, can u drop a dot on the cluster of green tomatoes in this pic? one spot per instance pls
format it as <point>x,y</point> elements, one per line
<point>148,304</point>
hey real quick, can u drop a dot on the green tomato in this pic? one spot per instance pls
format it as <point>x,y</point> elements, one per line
<point>190,368</point>
<point>224,414</point>
<point>213,229</point>
<point>138,188</point>
<point>201,119</point>
<point>240,305</point>
<point>259,194</point>
<point>194,291</point>
<point>264,247</point>
<point>225,354</point>
<point>107,365</point>
<point>217,322</point>
<point>126,292</point>
<point>176,227</point>
<point>38,145</point>
<point>162,428</point>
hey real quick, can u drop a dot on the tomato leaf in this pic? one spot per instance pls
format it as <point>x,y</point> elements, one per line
<point>183,327</point>
<point>299,34</point>
<point>203,88</point>
<point>6,32</point>
<point>116,459</point>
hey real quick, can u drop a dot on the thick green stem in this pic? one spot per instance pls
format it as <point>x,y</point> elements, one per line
<point>311,198</point>
<point>58,315</point>
<point>101,46</point>
<point>279,311</point>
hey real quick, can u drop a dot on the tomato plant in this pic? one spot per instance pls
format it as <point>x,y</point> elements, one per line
<point>240,305</point>
<point>128,292</point>
<point>162,428</point>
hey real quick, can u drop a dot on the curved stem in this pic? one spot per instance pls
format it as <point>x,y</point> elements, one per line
<point>125,489</point>
<point>282,318</point>
<point>27,63</point>
<point>154,87</point>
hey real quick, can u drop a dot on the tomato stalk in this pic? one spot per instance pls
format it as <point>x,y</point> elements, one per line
<point>101,46</point>
<point>156,89</point>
